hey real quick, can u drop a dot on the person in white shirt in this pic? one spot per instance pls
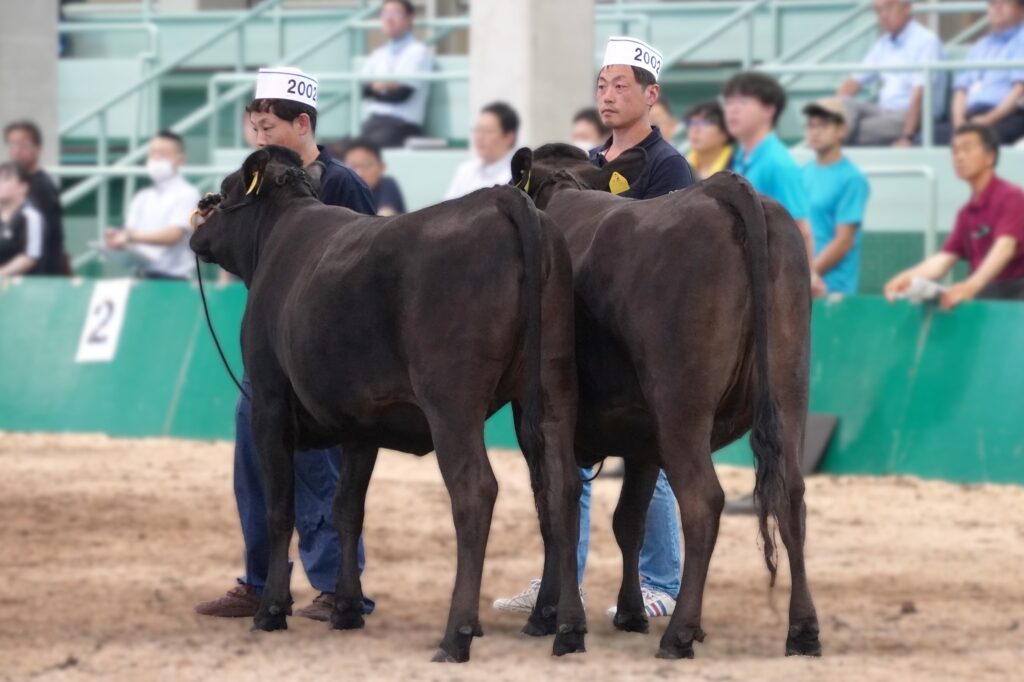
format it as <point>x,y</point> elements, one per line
<point>394,111</point>
<point>156,228</point>
<point>896,117</point>
<point>494,140</point>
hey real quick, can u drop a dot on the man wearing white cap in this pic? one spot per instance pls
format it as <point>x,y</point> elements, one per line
<point>627,88</point>
<point>284,113</point>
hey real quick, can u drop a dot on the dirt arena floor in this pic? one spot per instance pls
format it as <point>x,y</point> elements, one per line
<point>107,545</point>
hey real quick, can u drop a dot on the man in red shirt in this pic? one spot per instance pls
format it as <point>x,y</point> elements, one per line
<point>989,231</point>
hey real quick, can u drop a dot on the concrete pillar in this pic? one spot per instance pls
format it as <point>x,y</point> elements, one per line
<point>28,69</point>
<point>538,56</point>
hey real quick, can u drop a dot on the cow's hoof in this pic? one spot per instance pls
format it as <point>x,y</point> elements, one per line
<point>680,645</point>
<point>631,622</point>
<point>267,622</point>
<point>541,624</point>
<point>347,620</point>
<point>569,640</point>
<point>676,652</point>
<point>455,649</point>
<point>803,640</point>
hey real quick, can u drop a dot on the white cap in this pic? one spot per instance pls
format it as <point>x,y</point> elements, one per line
<point>285,82</point>
<point>632,52</point>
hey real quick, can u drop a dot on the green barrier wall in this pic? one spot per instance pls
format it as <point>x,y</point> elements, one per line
<point>918,391</point>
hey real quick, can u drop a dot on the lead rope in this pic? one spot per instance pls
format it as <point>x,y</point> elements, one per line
<point>209,324</point>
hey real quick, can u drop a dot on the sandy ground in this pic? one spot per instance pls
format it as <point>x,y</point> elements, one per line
<point>107,545</point>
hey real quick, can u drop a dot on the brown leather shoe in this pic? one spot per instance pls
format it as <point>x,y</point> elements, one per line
<point>240,602</point>
<point>320,609</point>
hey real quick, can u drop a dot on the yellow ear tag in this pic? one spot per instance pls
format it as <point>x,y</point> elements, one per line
<point>526,187</point>
<point>252,185</point>
<point>618,183</point>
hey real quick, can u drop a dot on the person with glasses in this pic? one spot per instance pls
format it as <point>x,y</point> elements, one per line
<point>711,145</point>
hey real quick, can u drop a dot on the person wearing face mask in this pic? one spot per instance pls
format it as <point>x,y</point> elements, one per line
<point>587,129</point>
<point>156,228</point>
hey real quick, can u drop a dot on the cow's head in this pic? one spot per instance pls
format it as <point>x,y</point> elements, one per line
<point>239,218</point>
<point>552,167</point>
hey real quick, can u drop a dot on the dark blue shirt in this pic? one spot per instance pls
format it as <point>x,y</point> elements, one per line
<point>340,186</point>
<point>666,170</point>
<point>388,195</point>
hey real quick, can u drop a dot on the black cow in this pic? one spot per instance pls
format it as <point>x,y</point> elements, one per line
<point>404,333</point>
<point>692,326</point>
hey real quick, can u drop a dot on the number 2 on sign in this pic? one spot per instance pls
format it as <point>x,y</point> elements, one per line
<point>103,321</point>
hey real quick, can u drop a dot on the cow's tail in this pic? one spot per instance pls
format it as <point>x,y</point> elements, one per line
<point>770,485</point>
<point>526,217</point>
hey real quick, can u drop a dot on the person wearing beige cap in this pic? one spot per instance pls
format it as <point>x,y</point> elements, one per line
<point>837,194</point>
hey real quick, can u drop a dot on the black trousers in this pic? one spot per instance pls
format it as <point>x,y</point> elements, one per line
<point>1009,129</point>
<point>1007,290</point>
<point>388,131</point>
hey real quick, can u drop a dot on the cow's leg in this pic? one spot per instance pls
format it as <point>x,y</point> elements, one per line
<point>638,483</point>
<point>802,638</point>
<point>357,464</point>
<point>467,474</point>
<point>686,460</point>
<point>556,485</point>
<point>275,444</point>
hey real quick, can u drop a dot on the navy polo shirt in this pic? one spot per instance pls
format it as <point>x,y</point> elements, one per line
<point>340,186</point>
<point>666,170</point>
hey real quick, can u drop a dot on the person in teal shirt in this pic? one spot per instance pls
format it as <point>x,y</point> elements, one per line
<point>753,103</point>
<point>837,193</point>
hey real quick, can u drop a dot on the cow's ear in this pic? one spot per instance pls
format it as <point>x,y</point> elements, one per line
<point>254,170</point>
<point>624,171</point>
<point>522,165</point>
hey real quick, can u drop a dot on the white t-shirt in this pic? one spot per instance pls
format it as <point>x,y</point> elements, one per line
<point>405,55</point>
<point>474,174</point>
<point>165,204</point>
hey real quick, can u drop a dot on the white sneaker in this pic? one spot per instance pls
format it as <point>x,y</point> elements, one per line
<point>656,603</point>
<point>525,600</point>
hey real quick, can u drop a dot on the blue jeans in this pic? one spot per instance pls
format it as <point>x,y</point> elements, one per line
<point>661,567</point>
<point>316,478</point>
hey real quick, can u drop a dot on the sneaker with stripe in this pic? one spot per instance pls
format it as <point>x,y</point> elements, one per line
<point>656,603</point>
<point>527,599</point>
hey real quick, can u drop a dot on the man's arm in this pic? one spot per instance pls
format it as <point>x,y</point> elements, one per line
<point>934,267</point>
<point>18,265</point>
<point>912,121</point>
<point>1005,108</point>
<point>848,88</point>
<point>995,261</point>
<point>835,251</point>
<point>959,108</point>
<point>165,236</point>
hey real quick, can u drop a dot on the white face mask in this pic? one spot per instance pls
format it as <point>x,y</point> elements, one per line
<point>160,169</point>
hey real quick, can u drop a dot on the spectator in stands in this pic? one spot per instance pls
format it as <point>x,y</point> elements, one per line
<point>396,111</point>
<point>992,97</point>
<point>24,144</point>
<point>896,116</point>
<point>587,129</point>
<point>156,228</point>
<point>661,116</point>
<point>753,103</point>
<point>494,140</point>
<point>711,145</point>
<point>22,227</point>
<point>364,158</point>
<point>989,229</point>
<point>837,193</point>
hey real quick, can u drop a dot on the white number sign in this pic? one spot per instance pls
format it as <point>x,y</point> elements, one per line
<point>103,321</point>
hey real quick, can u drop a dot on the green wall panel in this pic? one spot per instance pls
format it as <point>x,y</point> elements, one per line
<point>918,391</point>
